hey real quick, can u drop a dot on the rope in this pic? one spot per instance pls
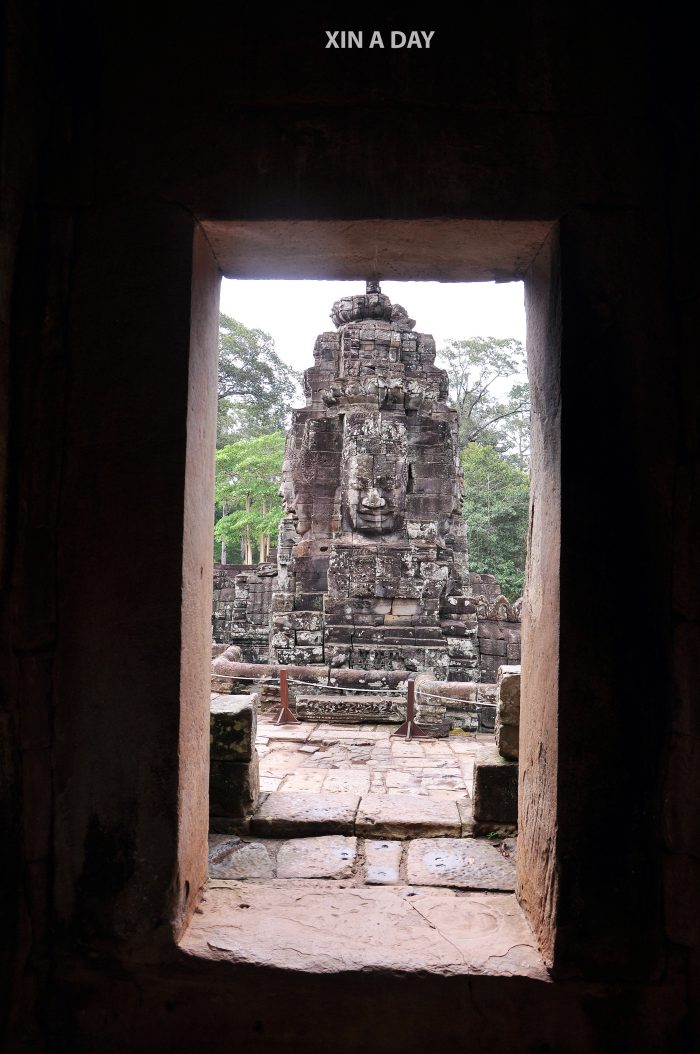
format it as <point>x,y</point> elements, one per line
<point>269,679</point>
<point>236,677</point>
<point>451,699</point>
<point>340,688</point>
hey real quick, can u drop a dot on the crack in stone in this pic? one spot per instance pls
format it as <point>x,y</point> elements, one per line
<point>437,929</point>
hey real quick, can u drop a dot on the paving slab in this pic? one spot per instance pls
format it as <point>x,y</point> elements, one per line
<point>329,856</point>
<point>339,781</point>
<point>322,928</point>
<point>406,816</point>
<point>231,857</point>
<point>462,863</point>
<point>293,733</point>
<point>269,783</point>
<point>284,815</point>
<point>382,862</point>
<point>305,781</point>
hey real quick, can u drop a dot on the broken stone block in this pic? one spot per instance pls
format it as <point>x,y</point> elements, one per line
<point>232,729</point>
<point>234,787</point>
<point>495,789</point>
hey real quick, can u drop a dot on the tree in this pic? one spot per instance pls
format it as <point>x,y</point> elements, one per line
<point>256,388</point>
<point>496,504</point>
<point>476,369</point>
<point>248,474</point>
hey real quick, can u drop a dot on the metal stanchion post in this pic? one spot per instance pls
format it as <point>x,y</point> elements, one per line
<point>285,715</point>
<point>410,728</point>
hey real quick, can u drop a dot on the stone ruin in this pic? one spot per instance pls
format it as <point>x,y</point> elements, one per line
<point>372,569</point>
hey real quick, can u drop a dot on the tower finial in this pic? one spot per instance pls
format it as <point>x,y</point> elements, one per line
<point>373,287</point>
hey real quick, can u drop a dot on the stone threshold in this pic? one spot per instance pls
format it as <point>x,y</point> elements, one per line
<point>327,928</point>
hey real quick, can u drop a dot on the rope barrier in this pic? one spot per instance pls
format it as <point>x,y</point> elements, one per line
<point>366,691</point>
<point>341,688</point>
<point>236,677</point>
<point>269,679</point>
<point>452,699</point>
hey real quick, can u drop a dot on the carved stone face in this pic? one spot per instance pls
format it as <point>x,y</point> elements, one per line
<point>288,496</point>
<point>374,492</point>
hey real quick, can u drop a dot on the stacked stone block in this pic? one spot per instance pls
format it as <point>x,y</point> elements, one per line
<point>495,790</point>
<point>234,781</point>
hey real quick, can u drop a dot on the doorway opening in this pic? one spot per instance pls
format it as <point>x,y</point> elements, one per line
<point>310,750</point>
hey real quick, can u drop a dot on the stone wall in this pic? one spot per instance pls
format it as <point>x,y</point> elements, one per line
<point>241,608</point>
<point>244,598</point>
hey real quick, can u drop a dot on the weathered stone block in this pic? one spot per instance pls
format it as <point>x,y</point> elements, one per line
<point>508,741</point>
<point>232,728</point>
<point>508,695</point>
<point>352,709</point>
<point>304,636</point>
<point>234,787</point>
<point>495,790</point>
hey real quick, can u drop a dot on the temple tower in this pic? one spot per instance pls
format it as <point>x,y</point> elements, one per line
<point>372,550</point>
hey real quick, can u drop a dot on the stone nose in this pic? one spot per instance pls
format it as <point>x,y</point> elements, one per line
<point>372,499</point>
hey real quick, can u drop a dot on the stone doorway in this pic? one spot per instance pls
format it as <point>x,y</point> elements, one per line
<point>526,250</point>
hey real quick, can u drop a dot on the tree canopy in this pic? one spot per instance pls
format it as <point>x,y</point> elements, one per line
<point>496,503</point>
<point>478,370</point>
<point>248,474</point>
<point>256,388</point>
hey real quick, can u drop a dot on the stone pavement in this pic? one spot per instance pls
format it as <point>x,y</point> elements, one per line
<point>364,759</point>
<point>460,863</point>
<point>354,804</point>
<point>360,855</point>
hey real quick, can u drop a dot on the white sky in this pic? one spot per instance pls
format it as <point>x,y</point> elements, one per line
<point>295,312</point>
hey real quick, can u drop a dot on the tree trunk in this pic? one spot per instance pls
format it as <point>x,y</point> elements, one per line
<point>248,545</point>
<point>223,541</point>
<point>262,540</point>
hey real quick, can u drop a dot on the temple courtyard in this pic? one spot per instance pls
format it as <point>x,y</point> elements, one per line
<point>358,805</point>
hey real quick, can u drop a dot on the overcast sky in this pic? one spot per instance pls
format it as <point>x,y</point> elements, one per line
<point>295,312</point>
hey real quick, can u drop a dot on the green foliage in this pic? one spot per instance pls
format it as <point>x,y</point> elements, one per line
<point>256,388</point>
<point>496,502</point>
<point>248,474</point>
<point>476,369</point>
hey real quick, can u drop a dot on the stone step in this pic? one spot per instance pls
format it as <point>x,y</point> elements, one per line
<point>397,816</point>
<point>475,864</point>
<point>351,709</point>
